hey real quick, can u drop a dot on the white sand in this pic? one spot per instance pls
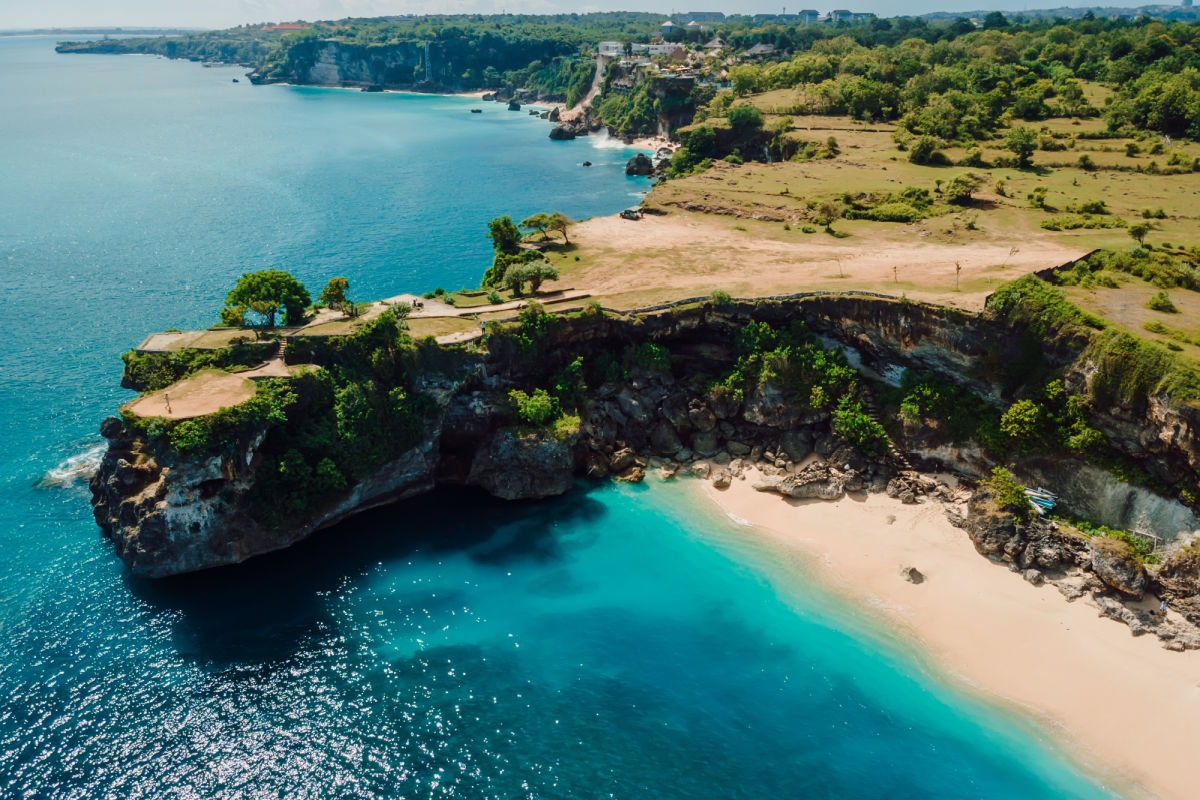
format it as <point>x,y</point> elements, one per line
<point>1130,708</point>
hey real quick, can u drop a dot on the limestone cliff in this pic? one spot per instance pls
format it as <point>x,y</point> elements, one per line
<point>168,515</point>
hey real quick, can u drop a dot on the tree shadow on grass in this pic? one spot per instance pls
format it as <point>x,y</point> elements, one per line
<point>272,606</point>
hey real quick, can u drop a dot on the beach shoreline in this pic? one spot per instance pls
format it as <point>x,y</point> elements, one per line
<point>1126,707</point>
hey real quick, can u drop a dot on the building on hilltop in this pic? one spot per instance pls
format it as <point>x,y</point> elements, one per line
<point>760,50</point>
<point>667,28</point>
<point>703,16</point>
<point>809,16</point>
<point>610,49</point>
<point>842,15</point>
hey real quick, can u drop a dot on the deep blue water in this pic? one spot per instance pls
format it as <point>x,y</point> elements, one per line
<point>618,642</point>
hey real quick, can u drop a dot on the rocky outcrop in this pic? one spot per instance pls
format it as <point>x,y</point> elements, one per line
<point>1114,562</point>
<point>817,482</point>
<point>516,466</point>
<point>169,515</point>
<point>562,132</point>
<point>640,164</point>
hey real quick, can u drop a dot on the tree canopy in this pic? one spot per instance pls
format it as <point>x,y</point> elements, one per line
<point>259,297</point>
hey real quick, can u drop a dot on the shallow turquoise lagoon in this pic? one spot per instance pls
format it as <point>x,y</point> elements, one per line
<point>617,642</point>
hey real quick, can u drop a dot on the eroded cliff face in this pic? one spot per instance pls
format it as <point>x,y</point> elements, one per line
<point>320,63</point>
<point>166,515</point>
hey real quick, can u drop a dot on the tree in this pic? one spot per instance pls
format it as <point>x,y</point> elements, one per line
<point>1139,231</point>
<point>744,119</point>
<point>505,237</point>
<point>827,212</point>
<point>534,274</point>
<point>264,294</point>
<point>960,189</point>
<point>925,151</point>
<point>703,142</point>
<point>537,222</point>
<point>334,295</point>
<point>1022,142</point>
<point>558,222</point>
<point>994,21</point>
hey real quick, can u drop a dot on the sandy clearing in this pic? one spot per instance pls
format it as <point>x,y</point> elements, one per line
<point>1126,703</point>
<point>200,394</point>
<point>686,255</point>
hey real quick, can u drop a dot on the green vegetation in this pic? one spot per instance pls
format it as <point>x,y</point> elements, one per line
<point>1162,302</point>
<point>334,296</point>
<point>1142,547</point>
<point>1130,369</point>
<point>811,377</point>
<point>259,297</point>
<point>545,223</point>
<point>859,428</point>
<point>537,409</point>
<point>532,273</point>
<point>326,428</point>
<point>506,240</point>
<point>1008,493</point>
<point>149,372</point>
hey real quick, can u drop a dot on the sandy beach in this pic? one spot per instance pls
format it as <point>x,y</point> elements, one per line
<point>1129,708</point>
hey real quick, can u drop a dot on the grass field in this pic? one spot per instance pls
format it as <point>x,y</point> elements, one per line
<point>753,229</point>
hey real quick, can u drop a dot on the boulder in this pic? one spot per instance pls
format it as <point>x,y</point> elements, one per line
<point>561,133</point>
<point>664,440</point>
<point>1116,564</point>
<point>814,482</point>
<point>675,409</point>
<point>524,467</point>
<point>705,443</point>
<point>553,115</point>
<point>797,444</point>
<point>621,460</point>
<point>596,466</point>
<point>700,469</point>
<point>112,428</point>
<point>702,418</point>
<point>737,448</point>
<point>514,105</point>
<point>634,474</point>
<point>722,480</point>
<point>724,405</point>
<point>639,165</point>
<point>912,574</point>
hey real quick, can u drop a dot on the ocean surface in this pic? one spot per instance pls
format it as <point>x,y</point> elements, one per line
<point>619,642</point>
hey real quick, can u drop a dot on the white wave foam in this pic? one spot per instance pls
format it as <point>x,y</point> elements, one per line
<point>81,466</point>
<point>602,141</point>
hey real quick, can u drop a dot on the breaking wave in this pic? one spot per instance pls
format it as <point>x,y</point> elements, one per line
<point>81,466</point>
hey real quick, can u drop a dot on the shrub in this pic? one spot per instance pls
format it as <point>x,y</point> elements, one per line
<point>744,119</point>
<point>720,298</point>
<point>857,427</point>
<point>538,409</point>
<point>1162,302</point>
<point>1008,493</point>
<point>494,297</point>
<point>649,355</point>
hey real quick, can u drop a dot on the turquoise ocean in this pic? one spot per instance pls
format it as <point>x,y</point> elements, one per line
<point>617,642</point>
